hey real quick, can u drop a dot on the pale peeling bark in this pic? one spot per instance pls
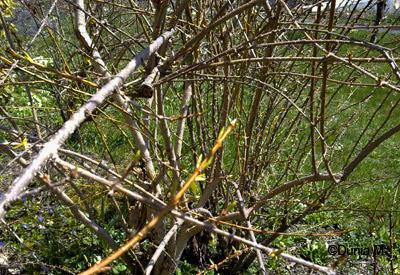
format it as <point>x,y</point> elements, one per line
<point>51,147</point>
<point>101,67</point>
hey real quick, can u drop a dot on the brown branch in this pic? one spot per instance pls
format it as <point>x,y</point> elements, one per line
<point>167,209</point>
<point>157,205</point>
<point>367,150</point>
<point>51,147</point>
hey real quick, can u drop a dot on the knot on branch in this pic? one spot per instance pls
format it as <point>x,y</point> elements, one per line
<point>146,89</point>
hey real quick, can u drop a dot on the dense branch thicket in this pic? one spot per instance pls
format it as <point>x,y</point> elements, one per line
<point>199,136</point>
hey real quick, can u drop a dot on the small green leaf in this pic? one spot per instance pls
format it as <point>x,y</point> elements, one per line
<point>195,189</point>
<point>231,206</point>
<point>276,253</point>
<point>209,162</point>
<point>200,158</point>
<point>137,155</point>
<point>27,57</point>
<point>201,177</point>
<point>221,132</point>
<point>23,143</point>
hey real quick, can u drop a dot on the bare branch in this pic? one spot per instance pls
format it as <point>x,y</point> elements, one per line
<point>73,123</point>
